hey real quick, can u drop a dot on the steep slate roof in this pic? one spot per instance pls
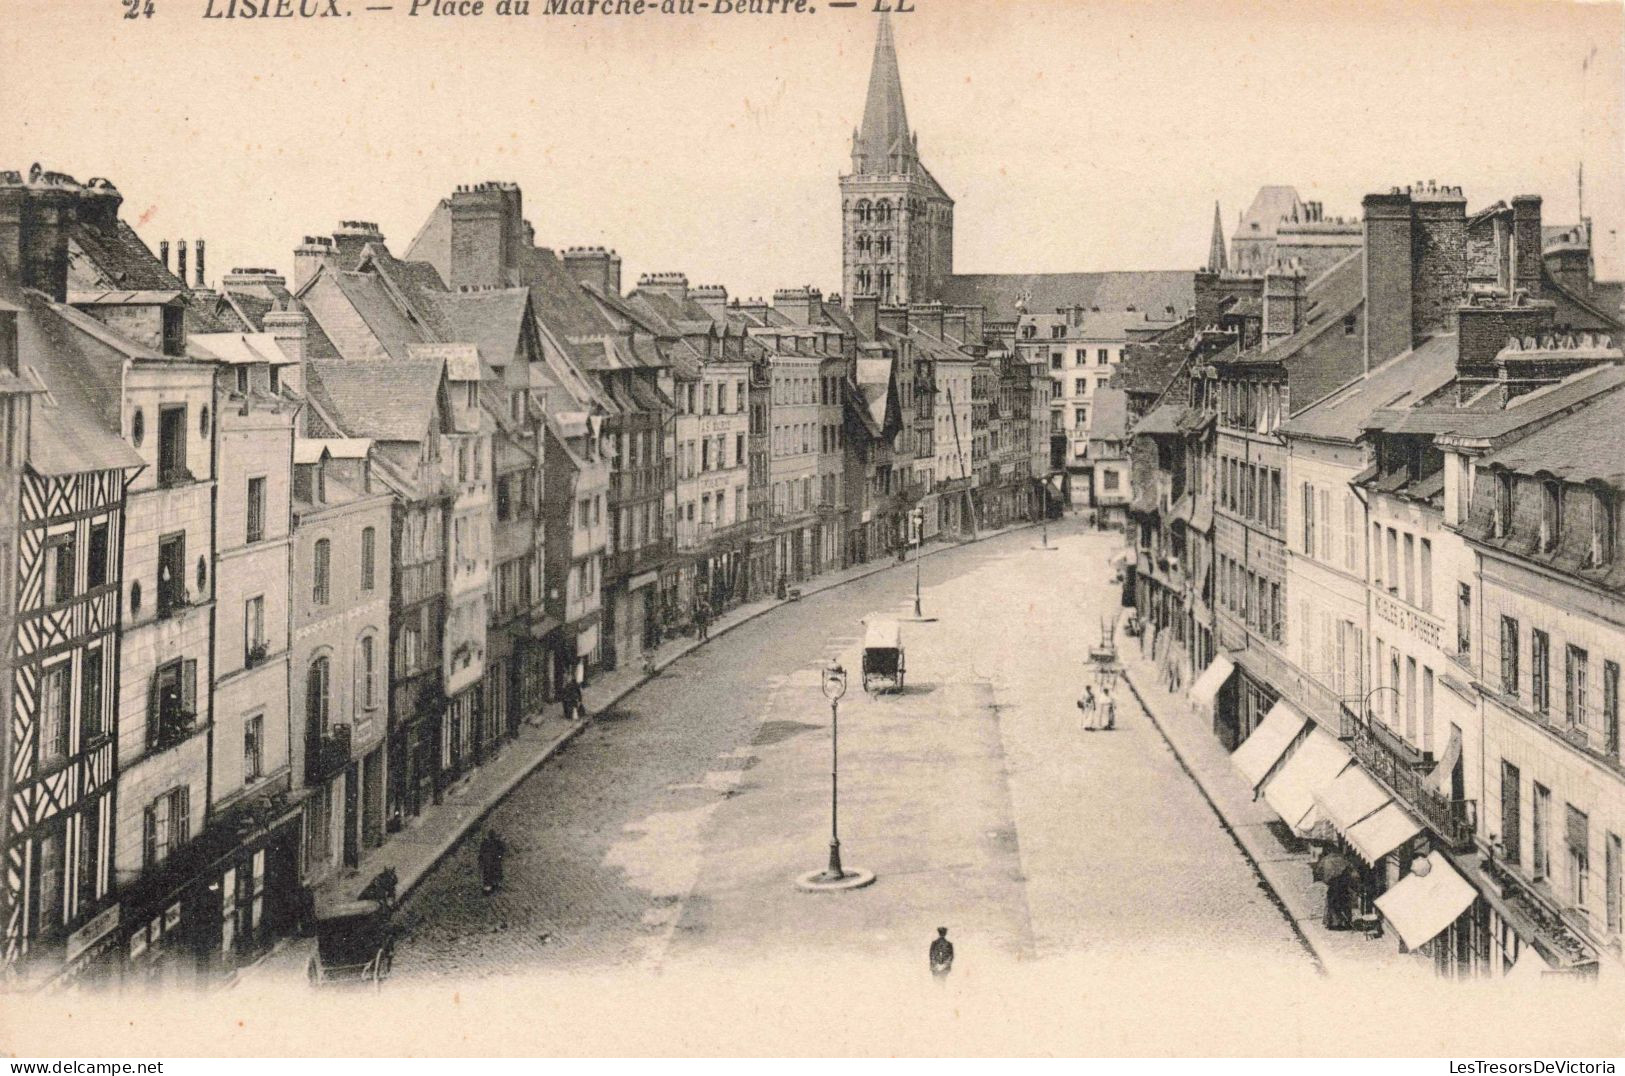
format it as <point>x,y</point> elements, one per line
<point>1148,366</point>
<point>384,401</point>
<point>491,320</point>
<point>1396,384</point>
<point>1586,446</point>
<point>119,260</point>
<point>77,422</point>
<point>1270,205</point>
<point>1152,290</point>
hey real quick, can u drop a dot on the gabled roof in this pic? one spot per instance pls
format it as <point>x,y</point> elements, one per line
<point>1148,366</point>
<point>117,260</point>
<point>998,293</point>
<point>492,320</point>
<point>384,401</point>
<point>77,421</point>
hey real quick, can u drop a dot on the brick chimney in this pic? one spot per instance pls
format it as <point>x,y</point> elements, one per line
<point>290,328</point>
<point>713,297</point>
<point>180,261</point>
<point>487,233</point>
<point>200,279</point>
<point>928,318</point>
<point>36,216</point>
<point>1283,301</point>
<point>351,238</point>
<point>1387,276</point>
<point>163,253</point>
<point>673,286</point>
<point>1526,244</point>
<point>865,311</point>
<point>596,266</point>
<point>99,205</point>
<point>1486,328</point>
<point>308,257</point>
<point>894,318</point>
<point>1439,259</point>
<point>798,304</point>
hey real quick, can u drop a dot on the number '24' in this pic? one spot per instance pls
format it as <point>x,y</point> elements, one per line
<point>134,9</point>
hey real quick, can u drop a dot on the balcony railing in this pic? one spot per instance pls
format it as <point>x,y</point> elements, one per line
<point>630,561</point>
<point>171,725</point>
<point>172,601</point>
<point>328,754</point>
<point>1406,773</point>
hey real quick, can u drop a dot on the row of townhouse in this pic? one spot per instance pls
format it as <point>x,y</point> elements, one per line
<point>1377,534</point>
<point>285,562</point>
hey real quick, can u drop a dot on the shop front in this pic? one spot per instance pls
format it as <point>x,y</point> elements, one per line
<point>220,902</point>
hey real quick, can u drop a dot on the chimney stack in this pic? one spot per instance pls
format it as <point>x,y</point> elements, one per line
<point>308,257</point>
<point>180,260</point>
<point>596,266</point>
<point>1526,244</point>
<point>798,304</point>
<point>865,311</point>
<point>163,253</point>
<point>199,264</point>
<point>1283,302</point>
<point>1387,276</point>
<point>289,329</point>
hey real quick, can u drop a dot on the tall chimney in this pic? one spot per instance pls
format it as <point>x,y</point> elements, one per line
<point>1387,276</point>
<point>1526,244</point>
<point>308,257</point>
<point>1283,301</point>
<point>289,328</point>
<point>180,260</point>
<point>1439,265</point>
<point>866,315</point>
<point>163,253</point>
<point>199,264</point>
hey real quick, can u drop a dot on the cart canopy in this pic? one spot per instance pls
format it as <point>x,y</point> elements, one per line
<point>883,635</point>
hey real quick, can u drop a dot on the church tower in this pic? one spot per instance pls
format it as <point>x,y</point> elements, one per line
<point>897,223</point>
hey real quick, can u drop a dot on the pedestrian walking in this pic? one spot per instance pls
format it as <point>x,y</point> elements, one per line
<point>492,851</point>
<point>941,956</point>
<point>702,619</point>
<point>1087,705</point>
<point>571,697</point>
<point>1108,708</point>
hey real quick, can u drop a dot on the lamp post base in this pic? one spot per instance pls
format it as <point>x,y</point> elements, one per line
<point>823,882</point>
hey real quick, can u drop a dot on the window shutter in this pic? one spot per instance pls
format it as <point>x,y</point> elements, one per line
<point>149,838</point>
<point>1578,830</point>
<point>180,825</point>
<point>189,686</point>
<point>154,710</point>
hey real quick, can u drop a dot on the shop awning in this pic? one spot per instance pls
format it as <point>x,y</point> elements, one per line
<point>1207,686</point>
<point>1314,765</point>
<point>1421,906</point>
<point>1268,742</point>
<point>1381,833</point>
<point>1353,797</point>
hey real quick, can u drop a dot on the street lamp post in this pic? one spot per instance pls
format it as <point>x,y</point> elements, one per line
<point>834,876</point>
<point>834,686</point>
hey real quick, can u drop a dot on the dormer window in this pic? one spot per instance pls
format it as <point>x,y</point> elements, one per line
<point>1602,528</point>
<point>1057,332</point>
<point>1551,513</point>
<point>1501,525</point>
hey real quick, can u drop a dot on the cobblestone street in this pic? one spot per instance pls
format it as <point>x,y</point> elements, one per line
<point>670,831</point>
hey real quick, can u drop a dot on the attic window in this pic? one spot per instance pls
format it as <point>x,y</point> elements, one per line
<point>1502,522</point>
<point>1551,514</point>
<point>1602,528</point>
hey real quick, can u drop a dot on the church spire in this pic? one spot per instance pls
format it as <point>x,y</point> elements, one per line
<point>884,146</point>
<point>1216,260</point>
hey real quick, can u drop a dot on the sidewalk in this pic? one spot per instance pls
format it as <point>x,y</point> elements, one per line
<point>1283,869</point>
<point>415,851</point>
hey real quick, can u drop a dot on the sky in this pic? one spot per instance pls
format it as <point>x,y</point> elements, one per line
<point>1074,134</point>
